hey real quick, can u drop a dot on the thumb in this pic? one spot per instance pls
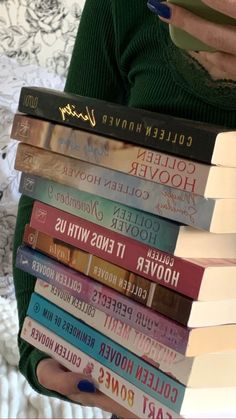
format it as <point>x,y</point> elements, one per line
<point>56,377</point>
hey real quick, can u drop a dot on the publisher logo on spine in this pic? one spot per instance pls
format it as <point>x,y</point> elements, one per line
<point>41,215</point>
<point>29,184</point>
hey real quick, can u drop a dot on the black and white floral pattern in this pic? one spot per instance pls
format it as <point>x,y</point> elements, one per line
<point>36,41</point>
<point>13,76</point>
<point>40,32</point>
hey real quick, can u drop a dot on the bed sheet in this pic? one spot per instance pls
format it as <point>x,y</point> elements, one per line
<point>17,398</point>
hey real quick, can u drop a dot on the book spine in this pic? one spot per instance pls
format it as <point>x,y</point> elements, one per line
<point>171,203</point>
<point>136,287</point>
<point>160,356</point>
<point>127,253</point>
<point>116,305</point>
<point>166,133</point>
<point>56,249</point>
<point>161,299</point>
<point>132,368</point>
<point>156,167</point>
<point>145,227</point>
<point>108,382</point>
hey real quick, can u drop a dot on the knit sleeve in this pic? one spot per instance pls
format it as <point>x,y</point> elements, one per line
<point>94,68</point>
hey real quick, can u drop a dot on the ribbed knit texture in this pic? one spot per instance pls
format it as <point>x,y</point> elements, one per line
<point>123,54</point>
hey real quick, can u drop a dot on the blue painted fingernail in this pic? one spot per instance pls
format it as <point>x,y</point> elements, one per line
<point>86,386</point>
<point>161,9</point>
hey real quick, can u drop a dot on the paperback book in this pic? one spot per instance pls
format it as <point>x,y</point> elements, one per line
<point>191,139</point>
<point>192,313</point>
<point>134,286</point>
<point>211,214</point>
<point>171,362</point>
<point>155,231</point>
<point>189,342</point>
<point>171,304</point>
<point>190,371</point>
<point>107,381</point>
<point>187,175</point>
<point>103,298</point>
<point>213,279</point>
<point>114,247</point>
<point>107,352</point>
<point>153,382</point>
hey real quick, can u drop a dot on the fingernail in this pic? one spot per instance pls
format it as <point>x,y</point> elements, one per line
<point>161,9</point>
<point>86,386</point>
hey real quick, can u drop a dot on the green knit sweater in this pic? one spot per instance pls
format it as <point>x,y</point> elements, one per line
<point>123,54</point>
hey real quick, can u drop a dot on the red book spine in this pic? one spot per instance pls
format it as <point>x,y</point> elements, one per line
<point>160,267</point>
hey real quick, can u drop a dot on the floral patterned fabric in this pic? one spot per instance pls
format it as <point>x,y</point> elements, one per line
<point>13,76</point>
<point>40,32</point>
<point>36,42</point>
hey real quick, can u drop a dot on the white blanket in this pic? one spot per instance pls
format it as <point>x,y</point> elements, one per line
<point>17,398</point>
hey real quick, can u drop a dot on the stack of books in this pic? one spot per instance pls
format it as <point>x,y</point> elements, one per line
<point>133,241</point>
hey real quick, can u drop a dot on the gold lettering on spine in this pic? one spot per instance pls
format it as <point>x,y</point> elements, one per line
<point>151,131</point>
<point>30,101</point>
<point>70,110</point>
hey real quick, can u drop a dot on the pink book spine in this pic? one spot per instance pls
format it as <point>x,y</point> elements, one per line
<point>152,351</point>
<point>128,253</point>
<point>141,318</point>
<point>108,382</point>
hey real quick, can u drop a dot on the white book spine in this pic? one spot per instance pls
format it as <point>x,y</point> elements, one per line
<point>163,357</point>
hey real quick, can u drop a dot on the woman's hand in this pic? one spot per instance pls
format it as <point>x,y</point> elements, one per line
<point>77,387</point>
<point>220,64</point>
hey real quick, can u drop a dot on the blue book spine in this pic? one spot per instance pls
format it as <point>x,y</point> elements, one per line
<point>81,286</point>
<point>145,227</point>
<point>132,368</point>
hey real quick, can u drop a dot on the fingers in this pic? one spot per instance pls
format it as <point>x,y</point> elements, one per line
<point>104,403</point>
<point>219,37</point>
<point>54,376</point>
<point>227,7</point>
<point>92,401</point>
<point>77,388</point>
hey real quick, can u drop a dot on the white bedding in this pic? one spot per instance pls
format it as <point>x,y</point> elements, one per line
<point>17,398</point>
<point>13,76</point>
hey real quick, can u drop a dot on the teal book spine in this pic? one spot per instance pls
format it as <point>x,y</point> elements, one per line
<point>127,365</point>
<point>109,383</point>
<point>145,227</point>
